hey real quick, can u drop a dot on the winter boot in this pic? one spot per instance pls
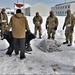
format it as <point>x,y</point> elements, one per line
<point>70,44</point>
<point>53,38</point>
<point>22,57</point>
<point>7,53</point>
<point>65,42</point>
<point>40,37</point>
<point>48,37</point>
<point>2,37</point>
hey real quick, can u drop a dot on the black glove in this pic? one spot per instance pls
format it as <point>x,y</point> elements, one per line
<point>55,28</point>
<point>63,27</point>
<point>46,26</point>
<point>6,31</point>
<point>28,32</point>
<point>0,24</point>
<point>7,23</point>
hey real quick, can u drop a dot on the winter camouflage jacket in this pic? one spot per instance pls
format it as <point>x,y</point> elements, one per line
<point>52,22</point>
<point>19,24</point>
<point>3,17</point>
<point>37,20</point>
<point>69,20</point>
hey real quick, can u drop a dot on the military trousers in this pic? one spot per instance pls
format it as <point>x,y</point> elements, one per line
<point>51,33</point>
<point>37,28</point>
<point>69,34</point>
<point>3,27</point>
<point>19,45</point>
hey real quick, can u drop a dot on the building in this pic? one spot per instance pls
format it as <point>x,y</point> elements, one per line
<point>29,10</point>
<point>60,9</point>
<point>39,7</point>
<point>10,11</point>
<point>0,9</point>
<point>23,8</point>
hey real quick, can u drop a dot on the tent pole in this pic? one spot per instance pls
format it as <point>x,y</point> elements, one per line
<point>17,1</point>
<point>14,8</point>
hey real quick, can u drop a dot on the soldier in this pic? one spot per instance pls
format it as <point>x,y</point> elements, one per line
<point>37,20</point>
<point>3,21</point>
<point>51,25</point>
<point>69,24</point>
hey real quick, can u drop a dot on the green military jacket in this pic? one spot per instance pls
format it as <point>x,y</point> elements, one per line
<point>37,20</point>
<point>69,20</point>
<point>3,17</point>
<point>52,22</point>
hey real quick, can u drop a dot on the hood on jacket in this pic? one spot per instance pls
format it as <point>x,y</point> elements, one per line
<point>19,15</point>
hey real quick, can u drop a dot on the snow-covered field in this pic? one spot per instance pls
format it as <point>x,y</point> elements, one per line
<point>39,62</point>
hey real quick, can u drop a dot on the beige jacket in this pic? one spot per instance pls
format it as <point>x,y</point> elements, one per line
<point>19,24</point>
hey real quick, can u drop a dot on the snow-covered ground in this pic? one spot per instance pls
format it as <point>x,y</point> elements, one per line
<point>39,62</point>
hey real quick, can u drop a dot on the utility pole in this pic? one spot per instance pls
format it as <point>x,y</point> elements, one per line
<point>17,1</point>
<point>24,7</point>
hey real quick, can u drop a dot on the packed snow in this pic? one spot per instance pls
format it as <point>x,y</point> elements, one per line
<point>38,62</point>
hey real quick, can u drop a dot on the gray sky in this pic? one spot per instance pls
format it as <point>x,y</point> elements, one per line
<point>10,3</point>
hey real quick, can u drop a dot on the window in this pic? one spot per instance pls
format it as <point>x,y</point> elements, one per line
<point>61,7</point>
<point>60,12</point>
<point>12,13</point>
<point>68,6</point>
<point>65,6</point>
<point>7,12</point>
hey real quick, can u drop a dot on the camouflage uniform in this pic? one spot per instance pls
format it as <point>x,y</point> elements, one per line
<point>51,26</point>
<point>3,24</point>
<point>69,23</point>
<point>37,20</point>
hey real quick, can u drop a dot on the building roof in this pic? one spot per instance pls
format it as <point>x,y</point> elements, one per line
<point>25,5</point>
<point>65,3</point>
<point>9,10</point>
<point>39,4</point>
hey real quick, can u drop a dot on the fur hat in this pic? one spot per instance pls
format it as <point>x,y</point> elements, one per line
<point>3,9</point>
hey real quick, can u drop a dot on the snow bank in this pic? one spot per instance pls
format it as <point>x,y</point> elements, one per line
<point>3,45</point>
<point>49,45</point>
<point>39,62</point>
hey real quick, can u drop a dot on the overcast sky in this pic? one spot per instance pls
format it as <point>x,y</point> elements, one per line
<point>10,3</point>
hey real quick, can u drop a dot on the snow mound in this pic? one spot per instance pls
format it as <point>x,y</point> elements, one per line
<point>3,44</point>
<point>49,45</point>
